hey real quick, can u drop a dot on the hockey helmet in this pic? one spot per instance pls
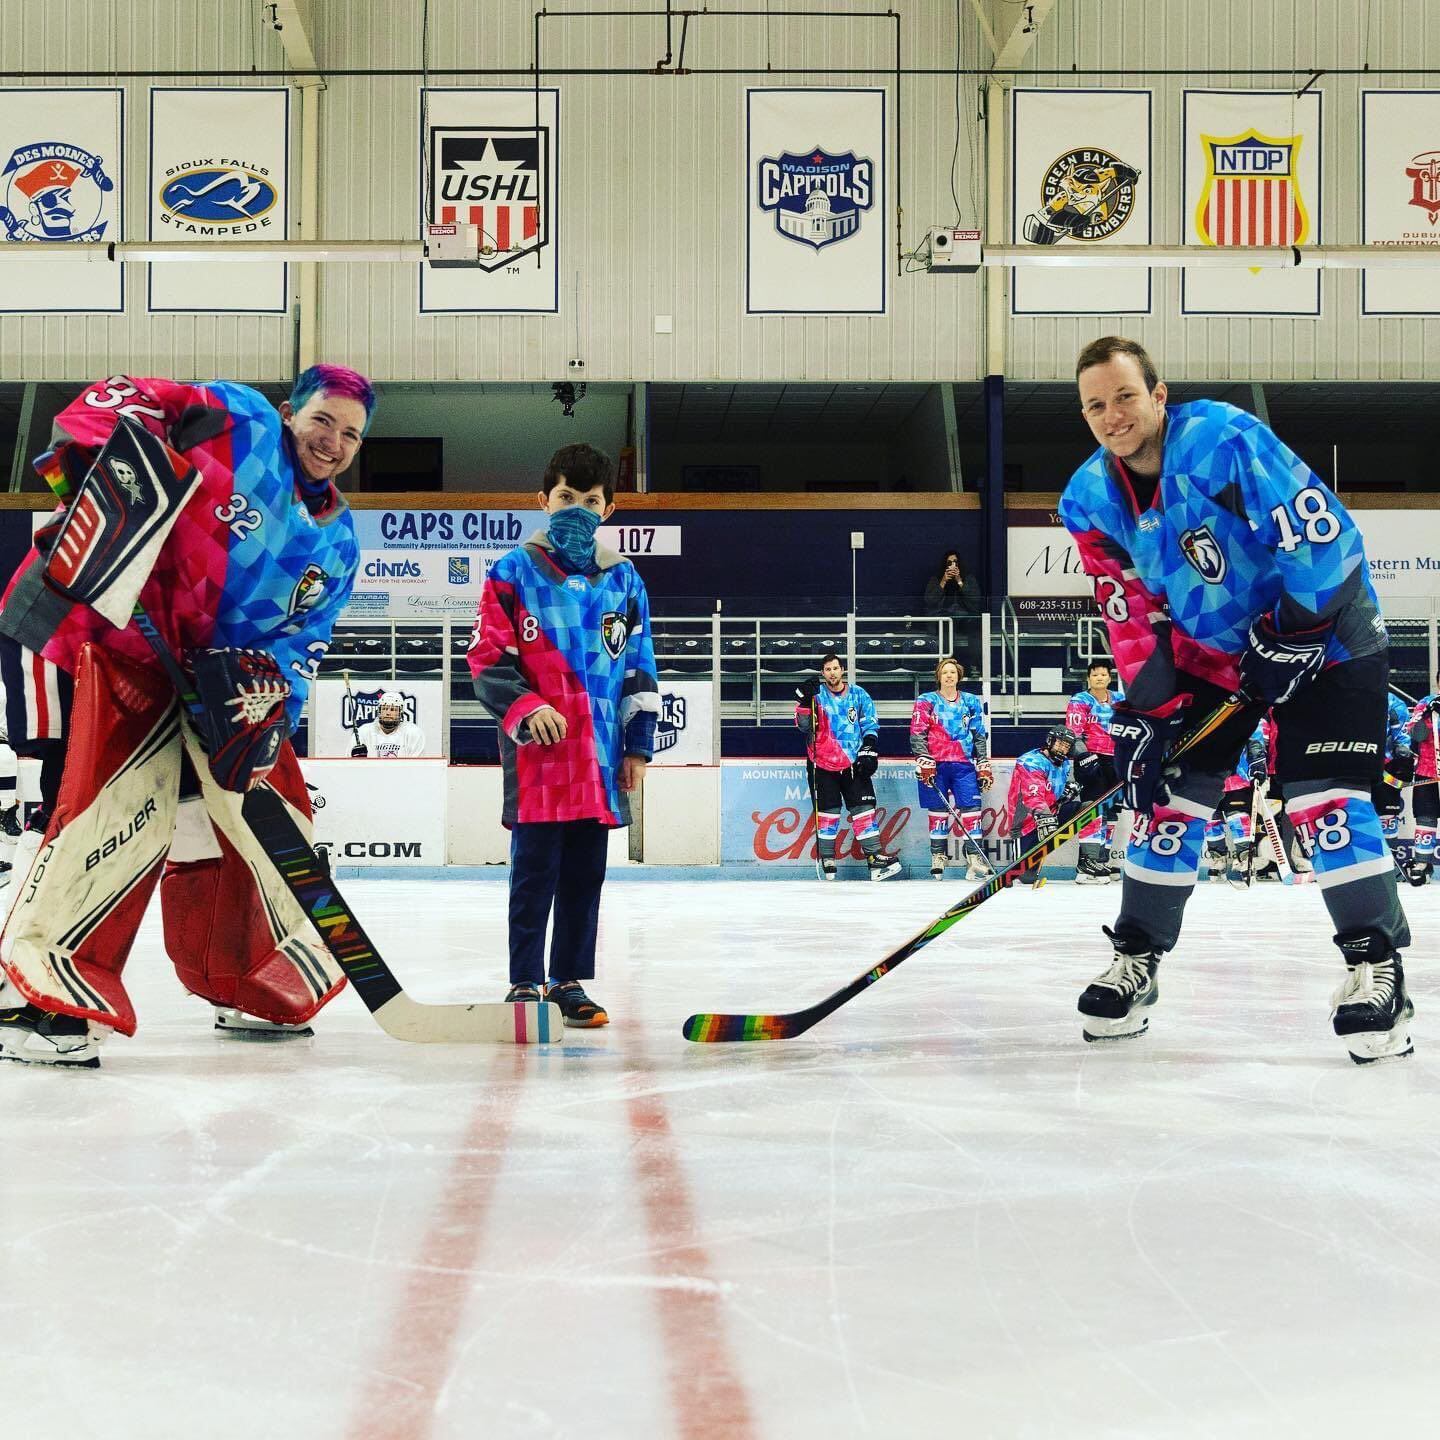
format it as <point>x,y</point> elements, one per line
<point>393,701</point>
<point>1055,735</point>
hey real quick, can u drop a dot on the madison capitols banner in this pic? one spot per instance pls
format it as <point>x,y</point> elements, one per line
<point>1400,195</point>
<point>60,179</point>
<point>488,159</point>
<point>816,217</point>
<point>1251,177</point>
<point>1080,164</point>
<point>218,172</point>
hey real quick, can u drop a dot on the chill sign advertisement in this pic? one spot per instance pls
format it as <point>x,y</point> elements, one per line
<point>768,817</point>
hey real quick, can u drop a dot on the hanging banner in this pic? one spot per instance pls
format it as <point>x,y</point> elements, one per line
<point>1251,177</point>
<point>1080,166</point>
<point>219,171</point>
<point>60,179</point>
<point>486,159</point>
<point>1400,195</point>
<point>816,217</point>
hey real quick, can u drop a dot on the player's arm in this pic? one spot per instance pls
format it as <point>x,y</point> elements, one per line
<point>921,716</point>
<point>979,735</point>
<point>640,692</point>
<point>501,685</point>
<point>867,758</point>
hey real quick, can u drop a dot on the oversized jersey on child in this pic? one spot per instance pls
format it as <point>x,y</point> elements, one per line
<point>582,645</point>
<point>951,733</point>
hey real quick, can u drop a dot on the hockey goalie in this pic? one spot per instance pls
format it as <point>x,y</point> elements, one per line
<point>204,509</point>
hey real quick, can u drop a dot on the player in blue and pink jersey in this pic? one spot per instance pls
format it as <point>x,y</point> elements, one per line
<point>1088,716</point>
<point>842,749</point>
<point>562,659</point>
<point>1221,562</point>
<point>1425,797</point>
<point>1388,792</point>
<point>1042,785</point>
<point>258,562</point>
<point>952,761</point>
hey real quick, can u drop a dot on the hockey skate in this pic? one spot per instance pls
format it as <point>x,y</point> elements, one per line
<point>1115,1004</point>
<point>37,1037</point>
<point>937,865</point>
<point>1241,863</point>
<point>230,1021</point>
<point>827,869</point>
<point>977,867</point>
<point>1217,861</point>
<point>1371,1010</point>
<point>1417,872</point>
<point>1092,870</point>
<point>883,866</point>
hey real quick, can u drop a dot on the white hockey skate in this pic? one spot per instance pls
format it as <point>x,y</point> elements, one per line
<point>883,866</point>
<point>937,864</point>
<point>230,1021</point>
<point>1116,1004</point>
<point>36,1037</point>
<point>1371,1011</point>
<point>827,869</point>
<point>978,866</point>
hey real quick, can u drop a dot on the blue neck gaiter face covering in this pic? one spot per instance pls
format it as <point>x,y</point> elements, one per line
<point>572,533</point>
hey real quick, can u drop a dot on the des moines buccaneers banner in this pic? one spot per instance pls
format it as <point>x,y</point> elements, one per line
<point>1400,195</point>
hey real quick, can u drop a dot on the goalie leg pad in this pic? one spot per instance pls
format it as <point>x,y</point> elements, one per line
<point>77,910</point>
<point>233,931</point>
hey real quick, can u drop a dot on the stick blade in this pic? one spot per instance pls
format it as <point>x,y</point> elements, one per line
<point>719,1029</point>
<point>498,1023</point>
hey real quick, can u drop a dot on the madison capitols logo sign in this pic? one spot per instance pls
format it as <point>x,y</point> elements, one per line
<point>816,198</point>
<point>1251,194</point>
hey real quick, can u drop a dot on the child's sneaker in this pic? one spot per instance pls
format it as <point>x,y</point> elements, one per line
<point>523,995</point>
<point>578,1009</point>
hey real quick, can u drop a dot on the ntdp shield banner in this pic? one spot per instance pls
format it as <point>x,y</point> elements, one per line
<point>60,179</point>
<point>816,217</point>
<point>218,171</point>
<point>1081,168</point>
<point>1251,177</point>
<point>1400,195</point>
<point>487,160</point>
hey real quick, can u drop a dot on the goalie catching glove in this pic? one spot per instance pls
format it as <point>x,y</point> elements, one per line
<point>242,714</point>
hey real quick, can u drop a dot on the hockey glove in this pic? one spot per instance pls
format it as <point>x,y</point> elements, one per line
<point>1258,762</point>
<point>1046,825</point>
<point>242,699</point>
<point>1275,666</point>
<point>984,774</point>
<point>1400,769</point>
<point>359,752</point>
<point>1092,779</point>
<point>807,690</point>
<point>868,760</point>
<point>1140,745</point>
<point>1388,799</point>
<point>925,770</point>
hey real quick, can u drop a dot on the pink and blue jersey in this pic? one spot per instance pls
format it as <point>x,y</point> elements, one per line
<point>1036,786</point>
<point>949,729</point>
<point>247,563</point>
<point>1239,526</point>
<point>580,644</point>
<point>1089,718</point>
<point>841,724</point>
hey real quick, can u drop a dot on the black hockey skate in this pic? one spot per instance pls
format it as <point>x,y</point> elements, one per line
<point>237,1024</point>
<point>1092,870</point>
<point>883,866</point>
<point>1371,1011</point>
<point>39,1037</point>
<point>937,864</point>
<point>1417,872</point>
<point>1115,1004</point>
<point>827,869</point>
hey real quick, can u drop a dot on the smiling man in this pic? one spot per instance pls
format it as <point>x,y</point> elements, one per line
<point>1222,563</point>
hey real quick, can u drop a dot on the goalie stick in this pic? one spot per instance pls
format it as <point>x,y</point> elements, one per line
<point>269,819</point>
<point>713,1028</point>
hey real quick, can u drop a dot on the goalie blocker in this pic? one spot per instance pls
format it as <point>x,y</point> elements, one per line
<point>138,806</point>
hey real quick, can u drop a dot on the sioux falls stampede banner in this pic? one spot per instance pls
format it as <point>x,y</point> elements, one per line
<point>485,161</point>
<point>60,179</point>
<point>1081,170</point>
<point>816,219</point>
<point>1400,195</point>
<point>1251,177</point>
<point>218,171</point>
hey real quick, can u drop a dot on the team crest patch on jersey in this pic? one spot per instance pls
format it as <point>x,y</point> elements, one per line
<point>1203,551</point>
<point>309,589</point>
<point>613,633</point>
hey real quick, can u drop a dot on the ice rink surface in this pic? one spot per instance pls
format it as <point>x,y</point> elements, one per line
<point>939,1213</point>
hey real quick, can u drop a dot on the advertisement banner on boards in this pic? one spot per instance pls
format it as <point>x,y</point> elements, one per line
<point>1041,557</point>
<point>1400,195</point>
<point>373,814</point>
<point>1080,161</point>
<point>1251,164</point>
<point>61,178</point>
<point>218,171</point>
<point>816,217</point>
<point>338,713</point>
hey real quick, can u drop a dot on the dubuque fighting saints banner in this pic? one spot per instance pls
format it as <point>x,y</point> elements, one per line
<point>1400,195</point>
<point>1081,170</point>
<point>486,161</point>
<point>816,218</point>
<point>218,171</point>
<point>60,179</point>
<point>1252,177</point>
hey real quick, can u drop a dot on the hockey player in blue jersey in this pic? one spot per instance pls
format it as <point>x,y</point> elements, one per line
<point>1222,563</point>
<point>1388,792</point>
<point>952,762</point>
<point>842,749</point>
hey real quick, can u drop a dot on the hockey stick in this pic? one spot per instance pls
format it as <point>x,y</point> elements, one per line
<point>354,725</point>
<point>265,812</point>
<point>968,845</point>
<point>814,770</point>
<point>1271,828</point>
<point>712,1028</point>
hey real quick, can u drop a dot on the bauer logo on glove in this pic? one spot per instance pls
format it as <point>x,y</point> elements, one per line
<point>242,714</point>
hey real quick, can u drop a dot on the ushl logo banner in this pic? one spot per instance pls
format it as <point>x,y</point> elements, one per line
<point>489,160</point>
<point>1400,195</point>
<point>1252,178</point>
<point>60,180</point>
